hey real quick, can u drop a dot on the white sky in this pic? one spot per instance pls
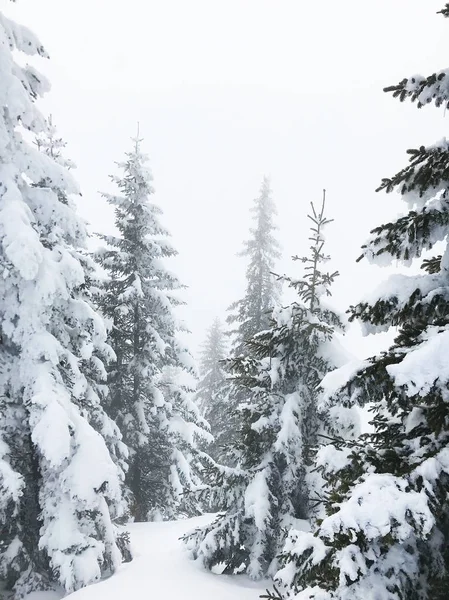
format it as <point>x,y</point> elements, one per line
<point>226,92</point>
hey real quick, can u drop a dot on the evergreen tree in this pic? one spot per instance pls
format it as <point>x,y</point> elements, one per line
<point>268,489</point>
<point>60,486</point>
<point>150,389</point>
<point>212,391</point>
<point>49,142</point>
<point>251,314</point>
<point>386,532</point>
<point>53,146</point>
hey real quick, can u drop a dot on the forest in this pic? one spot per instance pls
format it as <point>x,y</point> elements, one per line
<point>286,460</point>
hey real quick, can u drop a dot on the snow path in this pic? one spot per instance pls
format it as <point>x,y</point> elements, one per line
<point>162,569</point>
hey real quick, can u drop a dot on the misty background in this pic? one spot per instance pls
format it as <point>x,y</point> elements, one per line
<point>227,92</point>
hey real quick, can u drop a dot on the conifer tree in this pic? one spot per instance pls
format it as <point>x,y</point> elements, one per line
<point>150,390</point>
<point>386,532</point>
<point>251,314</point>
<point>268,489</point>
<point>52,145</point>
<point>60,486</point>
<point>211,394</point>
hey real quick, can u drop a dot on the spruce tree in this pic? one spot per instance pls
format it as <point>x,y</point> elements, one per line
<point>251,314</point>
<point>52,145</point>
<point>60,486</point>
<point>211,394</point>
<point>386,532</point>
<point>150,390</point>
<point>269,489</point>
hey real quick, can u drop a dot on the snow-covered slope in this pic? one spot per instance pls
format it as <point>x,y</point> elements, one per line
<point>162,569</point>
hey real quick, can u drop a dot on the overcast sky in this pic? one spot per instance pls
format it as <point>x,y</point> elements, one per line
<point>227,91</point>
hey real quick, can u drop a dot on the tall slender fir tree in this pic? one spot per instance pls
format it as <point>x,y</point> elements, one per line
<point>386,533</point>
<point>211,394</point>
<point>60,487</point>
<point>151,399</point>
<point>251,314</point>
<point>268,490</point>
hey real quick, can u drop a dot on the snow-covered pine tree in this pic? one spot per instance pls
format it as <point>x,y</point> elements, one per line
<point>60,488</point>
<point>386,533</point>
<point>268,490</point>
<point>52,145</point>
<point>211,394</point>
<point>150,393</point>
<point>251,314</point>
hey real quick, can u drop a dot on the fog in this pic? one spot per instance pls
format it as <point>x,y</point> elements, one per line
<point>226,92</point>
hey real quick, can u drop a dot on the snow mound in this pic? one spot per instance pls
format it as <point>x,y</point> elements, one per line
<point>161,569</point>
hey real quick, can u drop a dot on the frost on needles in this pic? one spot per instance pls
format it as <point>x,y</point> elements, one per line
<point>251,314</point>
<point>61,458</point>
<point>386,531</point>
<point>271,489</point>
<point>212,393</point>
<point>151,377</point>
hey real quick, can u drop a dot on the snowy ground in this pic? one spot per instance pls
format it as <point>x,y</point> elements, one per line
<point>161,569</point>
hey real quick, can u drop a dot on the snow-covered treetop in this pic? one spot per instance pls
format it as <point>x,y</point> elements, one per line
<point>135,261</point>
<point>251,314</point>
<point>51,144</point>
<point>22,84</point>
<point>409,301</point>
<point>424,90</point>
<point>307,324</point>
<point>18,91</point>
<point>144,241</point>
<point>423,183</point>
<point>316,283</point>
<point>214,348</point>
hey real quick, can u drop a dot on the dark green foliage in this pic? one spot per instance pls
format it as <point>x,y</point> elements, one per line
<point>427,168</point>
<point>445,10</point>
<point>400,551</point>
<point>150,398</point>
<point>422,90</point>
<point>275,380</point>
